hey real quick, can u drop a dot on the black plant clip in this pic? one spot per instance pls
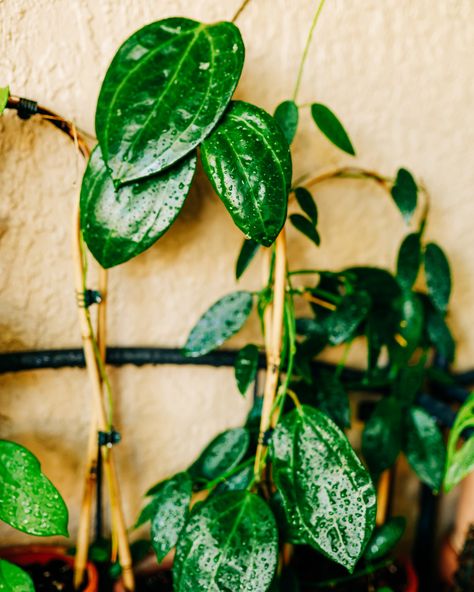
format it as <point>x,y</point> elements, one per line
<point>88,298</point>
<point>26,108</point>
<point>267,436</point>
<point>109,439</point>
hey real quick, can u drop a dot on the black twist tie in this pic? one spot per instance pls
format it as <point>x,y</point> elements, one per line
<point>89,297</point>
<point>109,439</point>
<point>266,437</point>
<point>26,108</point>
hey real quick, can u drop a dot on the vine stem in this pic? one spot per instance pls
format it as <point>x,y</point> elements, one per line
<point>240,10</point>
<point>273,344</point>
<point>306,49</point>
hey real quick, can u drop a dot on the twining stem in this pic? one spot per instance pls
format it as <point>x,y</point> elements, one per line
<point>274,344</point>
<point>306,50</point>
<point>240,10</point>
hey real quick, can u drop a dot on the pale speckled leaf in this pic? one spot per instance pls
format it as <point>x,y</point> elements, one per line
<point>14,579</point>
<point>164,91</point>
<point>248,161</point>
<point>219,323</point>
<point>246,367</point>
<point>230,543</point>
<point>460,465</point>
<point>327,493</point>
<point>120,224</point>
<point>287,115</point>
<point>424,447</point>
<point>385,538</point>
<point>4,94</point>
<point>170,511</point>
<point>438,276</point>
<point>28,500</point>
<point>222,454</point>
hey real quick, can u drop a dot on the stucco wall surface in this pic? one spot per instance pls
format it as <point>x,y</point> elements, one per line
<point>399,74</point>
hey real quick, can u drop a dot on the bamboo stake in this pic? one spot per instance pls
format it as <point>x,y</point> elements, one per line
<point>383,494</point>
<point>274,349</point>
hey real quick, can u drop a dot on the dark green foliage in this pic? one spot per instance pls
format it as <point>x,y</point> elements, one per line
<point>409,260</point>
<point>306,227</point>
<point>14,579</point>
<point>438,276</point>
<point>382,437</point>
<point>331,127</point>
<point>247,253</point>
<point>246,367</point>
<point>385,538</point>
<point>307,204</point>
<point>405,193</point>
<point>286,115</point>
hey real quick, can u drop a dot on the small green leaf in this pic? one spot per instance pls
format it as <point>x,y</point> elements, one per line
<point>4,95</point>
<point>230,543</point>
<point>170,512</point>
<point>246,366</point>
<point>307,204</point>
<point>225,318</point>
<point>382,437</point>
<point>118,225</point>
<point>405,193</point>
<point>247,253</point>
<point>424,447</point>
<point>344,321</point>
<point>286,115</point>
<point>248,162</point>
<point>306,227</point>
<point>408,384</point>
<point>148,511</point>
<point>439,334</point>
<point>438,276</point>
<point>238,481</point>
<point>221,455</point>
<point>147,118</point>
<point>410,329</point>
<point>460,465</point>
<point>14,579</point>
<point>331,127</point>
<point>28,500</point>
<point>332,398</point>
<point>409,260</point>
<point>326,492</point>
<point>385,538</point>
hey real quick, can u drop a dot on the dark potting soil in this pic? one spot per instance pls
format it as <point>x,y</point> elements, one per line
<point>54,576</point>
<point>161,582</point>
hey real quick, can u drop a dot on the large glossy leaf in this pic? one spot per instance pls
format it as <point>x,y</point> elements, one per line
<point>247,253</point>
<point>438,276</point>
<point>4,94</point>
<point>164,91</point>
<point>287,115</point>
<point>409,260</point>
<point>219,323</point>
<point>344,321</point>
<point>230,543</point>
<point>424,447</point>
<point>327,493</point>
<point>14,579</point>
<point>382,437</point>
<point>28,500</point>
<point>385,538</point>
<point>120,224</point>
<point>248,162</point>
<point>221,455</point>
<point>246,367</point>
<point>331,127</point>
<point>170,511</point>
<point>405,193</point>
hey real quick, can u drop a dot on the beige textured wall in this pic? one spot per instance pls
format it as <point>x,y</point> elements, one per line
<point>399,74</point>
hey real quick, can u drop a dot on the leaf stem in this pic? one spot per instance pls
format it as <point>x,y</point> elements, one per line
<point>240,10</point>
<point>306,50</point>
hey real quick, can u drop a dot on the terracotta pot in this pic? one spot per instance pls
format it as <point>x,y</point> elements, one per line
<point>28,554</point>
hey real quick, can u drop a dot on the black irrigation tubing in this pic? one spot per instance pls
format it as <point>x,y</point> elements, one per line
<point>141,356</point>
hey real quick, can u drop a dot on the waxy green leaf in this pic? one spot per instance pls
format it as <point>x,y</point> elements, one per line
<point>408,384</point>
<point>342,324</point>
<point>120,224</point>
<point>385,538</point>
<point>248,162</point>
<point>307,204</point>
<point>409,260</point>
<point>405,193</point>
<point>331,127</point>
<point>4,94</point>
<point>332,398</point>
<point>327,493</point>
<point>438,276</point>
<point>461,464</point>
<point>237,481</point>
<point>14,579</point>
<point>382,436</point>
<point>28,500</point>
<point>306,227</point>
<point>424,447</point>
<point>166,88</point>
<point>246,367</point>
<point>287,115</point>
<point>439,334</point>
<point>170,505</point>
<point>410,329</point>
<point>225,318</point>
<point>230,543</point>
<point>247,253</point>
<point>221,455</point>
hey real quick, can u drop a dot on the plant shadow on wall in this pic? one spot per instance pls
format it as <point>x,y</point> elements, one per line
<point>284,502</point>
